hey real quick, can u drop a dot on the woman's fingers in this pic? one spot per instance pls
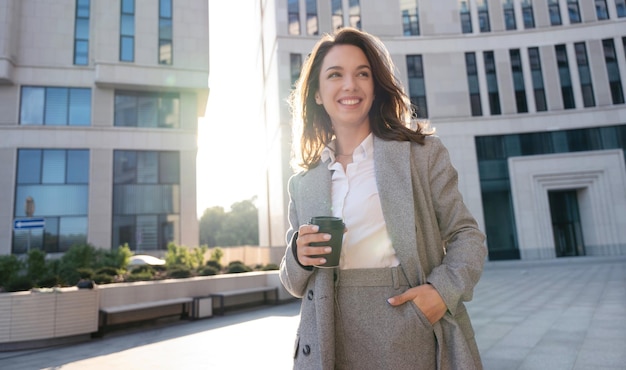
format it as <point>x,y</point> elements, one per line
<point>311,255</point>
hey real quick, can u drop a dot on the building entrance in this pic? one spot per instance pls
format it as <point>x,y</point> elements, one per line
<point>566,227</point>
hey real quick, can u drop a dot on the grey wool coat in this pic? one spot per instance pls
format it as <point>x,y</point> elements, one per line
<point>434,235</point>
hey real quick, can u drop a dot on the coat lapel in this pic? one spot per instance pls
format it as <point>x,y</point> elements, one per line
<point>392,160</point>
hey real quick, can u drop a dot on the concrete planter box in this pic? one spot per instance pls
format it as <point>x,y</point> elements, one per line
<point>41,318</point>
<point>40,315</point>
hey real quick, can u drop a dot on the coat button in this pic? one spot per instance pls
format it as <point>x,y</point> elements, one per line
<point>306,350</point>
<point>309,295</point>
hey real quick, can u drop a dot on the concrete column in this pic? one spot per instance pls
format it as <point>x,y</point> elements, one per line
<point>528,81</point>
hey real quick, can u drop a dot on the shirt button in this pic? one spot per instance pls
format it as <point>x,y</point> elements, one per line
<point>306,350</point>
<point>309,295</point>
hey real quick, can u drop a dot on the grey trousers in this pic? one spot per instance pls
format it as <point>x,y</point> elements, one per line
<point>372,334</point>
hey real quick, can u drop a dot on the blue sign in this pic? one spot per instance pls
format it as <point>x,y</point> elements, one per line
<point>29,223</point>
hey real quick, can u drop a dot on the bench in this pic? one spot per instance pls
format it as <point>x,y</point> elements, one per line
<point>231,293</point>
<point>134,310</point>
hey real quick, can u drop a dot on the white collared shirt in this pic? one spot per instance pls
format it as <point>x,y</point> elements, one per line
<point>355,199</point>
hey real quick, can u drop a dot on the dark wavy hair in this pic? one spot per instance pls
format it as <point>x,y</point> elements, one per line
<point>391,116</point>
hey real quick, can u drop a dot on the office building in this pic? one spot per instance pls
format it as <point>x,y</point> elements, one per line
<point>528,96</point>
<point>99,108</point>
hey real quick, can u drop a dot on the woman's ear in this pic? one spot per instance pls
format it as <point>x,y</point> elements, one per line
<point>318,99</point>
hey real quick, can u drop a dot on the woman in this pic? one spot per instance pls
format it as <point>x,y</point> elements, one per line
<point>411,253</point>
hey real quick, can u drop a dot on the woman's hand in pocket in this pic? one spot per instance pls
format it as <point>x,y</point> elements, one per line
<point>426,298</point>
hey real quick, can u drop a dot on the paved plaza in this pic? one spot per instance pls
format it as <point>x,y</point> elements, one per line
<point>567,313</point>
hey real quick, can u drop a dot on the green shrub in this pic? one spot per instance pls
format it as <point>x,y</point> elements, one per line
<point>215,264</point>
<point>181,255</point>
<point>208,271</point>
<point>48,281</point>
<point>100,278</point>
<point>139,276</point>
<point>85,273</point>
<point>19,283</point>
<point>36,264</point>
<point>237,267</point>
<point>143,268</point>
<point>117,258</point>
<point>179,272</point>
<point>107,270</point>
<point>10,265</point>
<point>79,256</point>
<point>216,255</point>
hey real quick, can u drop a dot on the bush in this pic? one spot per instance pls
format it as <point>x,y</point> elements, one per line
<point>208,271</point>
<point>48,281</point>
<point>100,278</point>
<point>143,268</point>
<point>36,264</point>
<point>237,267</point>
<point>85,273</point>
<point>181,255</point>
<point>118,257</point>
<point>139,276</point>
<point>79,256</point>
<point>179,272</point>
<point>215,264</point>
<point>19,283</point>
<point>9,267</point>
<point>107,270</point>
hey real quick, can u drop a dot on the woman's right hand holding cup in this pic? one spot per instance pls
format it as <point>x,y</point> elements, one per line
<point>309,255</point>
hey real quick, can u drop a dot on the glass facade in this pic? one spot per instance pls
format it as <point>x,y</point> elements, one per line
<point>527,14</point>
<point>509,15</point>
<point>127,31</point>
<point>518,81</point>
<point>493,153</point>
<point>473,84</point>
<point>567,92</point>
<point>312,24</point>
<point>56,184</point>
<point>417,87</point>
<point>620,6</point>
<point>355,13</point>
<point>166,47</point>
<point>555,12</point>
<point>55,106</point>
<point>539,91</point>
<point>612,67</point>
<point>142,109</point>
<point>466,17</point>
<point>601,11</point>
<point>584,72</point>
<point>492,83</point>
<point>295,67</point>
<point>81,33</point>
<point>410,18</point>
<point>146,199</point>
<point>483,15</point>
<point>293,13</point>
<point>337,14</point>
<point>574,11</point>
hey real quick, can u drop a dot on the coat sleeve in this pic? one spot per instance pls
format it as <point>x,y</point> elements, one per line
<point>463,261</point>
<point>293,275</point>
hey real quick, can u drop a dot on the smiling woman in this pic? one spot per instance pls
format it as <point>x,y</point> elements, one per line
<point>229,163</point>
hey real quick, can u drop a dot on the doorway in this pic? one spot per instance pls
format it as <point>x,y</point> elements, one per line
<point>568,235</point>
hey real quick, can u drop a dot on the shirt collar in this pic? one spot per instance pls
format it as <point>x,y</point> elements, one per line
<point>361,152</point>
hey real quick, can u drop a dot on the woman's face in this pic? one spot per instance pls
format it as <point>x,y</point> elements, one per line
<point>346,87</point>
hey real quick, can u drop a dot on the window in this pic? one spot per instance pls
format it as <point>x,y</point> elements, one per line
<point>146,199</point>
<point>527,14</point>
<point>612,68</point>
<point>57,182</point>
<point>483,15</point>
<point>472,81</point>
<point>166,48</point>
<point>620,5</point>
<point>574,11</point>
<point>295,67</point>
<point>55,106</point>
<point>81,33</point>
<point>601,11</point>
<point>337,15</point>
<point>417,88</point>
<point>127,31</point>
<point>584,72</point>
<point>509,15</point>
<point>518,81</point>
<point>492,82</point>
<point>312,27</point>
<point>466,17</point>
<point>410,18</point>
<point>567,92</point>
<point>355,13</point>
<point>555,12</point>
<point>142,109</point>
<point>537,77</point>
<point>293,13</point>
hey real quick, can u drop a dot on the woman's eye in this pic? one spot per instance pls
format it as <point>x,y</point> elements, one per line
<point>334,74</point>
<point>364,74</point>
